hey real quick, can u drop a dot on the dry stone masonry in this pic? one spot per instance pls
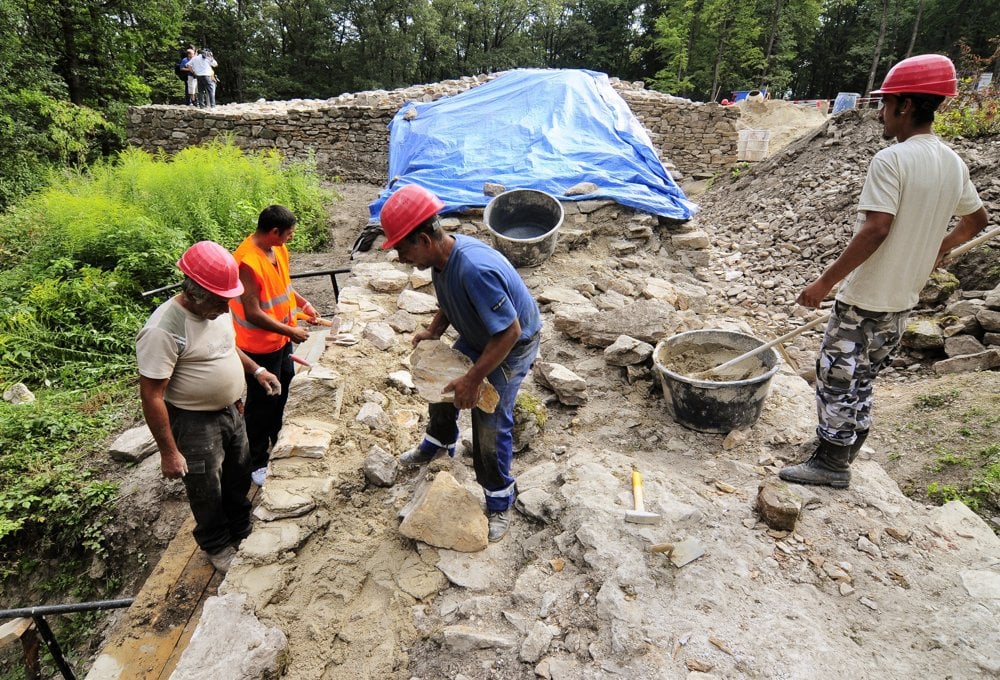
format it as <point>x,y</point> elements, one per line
<point>349,138</point>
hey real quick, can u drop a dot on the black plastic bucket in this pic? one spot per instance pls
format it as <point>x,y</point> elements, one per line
<point>525,225</point>
<point>711,406</point>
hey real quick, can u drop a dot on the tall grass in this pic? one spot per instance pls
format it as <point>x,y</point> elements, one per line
<point>76,256</point>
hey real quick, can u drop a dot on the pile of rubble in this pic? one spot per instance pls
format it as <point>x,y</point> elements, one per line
<point>574,591</point>
<point>777,224</point>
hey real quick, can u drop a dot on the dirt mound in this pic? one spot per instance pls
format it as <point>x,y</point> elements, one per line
<point>786,121</point>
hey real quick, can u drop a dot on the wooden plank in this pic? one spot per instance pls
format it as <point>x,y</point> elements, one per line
<point>13,630</point>
<point>147,635</point>
<point>211,589</point>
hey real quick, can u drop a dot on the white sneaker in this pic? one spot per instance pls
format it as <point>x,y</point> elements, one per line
<point>259,476</point>
<point>223,559</point>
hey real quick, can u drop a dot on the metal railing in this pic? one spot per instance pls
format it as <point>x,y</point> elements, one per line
<point>332,273</point>
<point>29,643</point>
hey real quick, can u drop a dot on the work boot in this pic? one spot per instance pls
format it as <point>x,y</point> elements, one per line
<point>223,559</point>
<point>830,465</point>
<point>861,436</point>
<point>499,524</point>
<point>418,456</point>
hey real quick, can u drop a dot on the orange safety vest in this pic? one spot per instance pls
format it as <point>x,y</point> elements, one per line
<point>277,298</point>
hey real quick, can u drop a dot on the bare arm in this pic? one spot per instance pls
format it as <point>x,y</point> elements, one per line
<point>438,325</point>
<point>257,316</point>
<point>868,239</point>
<point>467,387</point>
<point>154,410</point>
<point>968,227</point>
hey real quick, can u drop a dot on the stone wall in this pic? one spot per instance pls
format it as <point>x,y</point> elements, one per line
<point>348,135</point>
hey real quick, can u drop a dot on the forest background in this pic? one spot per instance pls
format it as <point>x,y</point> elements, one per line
<point>87,224</point>
<point>71,68</point>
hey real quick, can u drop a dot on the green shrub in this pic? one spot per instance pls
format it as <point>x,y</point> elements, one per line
<point>969,115</point>
<point>49,499</point>
<point>38,134</point>
<point>80,252</point>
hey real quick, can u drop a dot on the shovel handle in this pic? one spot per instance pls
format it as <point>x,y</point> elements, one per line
<point>969,245</point>
<point>768,345</point>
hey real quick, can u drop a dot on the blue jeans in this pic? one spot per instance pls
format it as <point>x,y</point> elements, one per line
<point>492,433</point>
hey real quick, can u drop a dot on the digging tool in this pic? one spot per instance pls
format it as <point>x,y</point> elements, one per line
<point>639,515</point>
<point>960,250</point>
<point>768,345</point>
<point>969,245</point>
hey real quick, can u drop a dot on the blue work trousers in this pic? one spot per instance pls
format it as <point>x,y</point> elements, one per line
<point>492,433</point>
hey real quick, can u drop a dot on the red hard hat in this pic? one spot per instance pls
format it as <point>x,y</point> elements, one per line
<point>405,210</point>
<point>922,74</point>
<point>213,268</point>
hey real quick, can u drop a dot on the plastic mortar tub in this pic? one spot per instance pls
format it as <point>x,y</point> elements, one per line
<point>524,224</point>
<point>714,405</point>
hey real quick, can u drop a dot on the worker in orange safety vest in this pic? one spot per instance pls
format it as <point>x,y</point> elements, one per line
<point>265,319</point>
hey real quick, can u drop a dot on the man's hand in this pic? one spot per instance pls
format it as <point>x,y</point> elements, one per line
<point>813,294</point>
<point>466,391</point>
<point>298,333</point>
<point>423,334</point>
<point>173,465</point>
<point>309,313</point>
<point>269,381</point>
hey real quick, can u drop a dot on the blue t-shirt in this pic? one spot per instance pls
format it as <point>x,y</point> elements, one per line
<point>481,293</point>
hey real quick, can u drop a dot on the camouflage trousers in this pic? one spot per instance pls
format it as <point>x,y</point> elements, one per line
<point>857,345</point>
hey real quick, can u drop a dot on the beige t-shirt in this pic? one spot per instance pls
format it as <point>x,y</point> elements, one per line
<point>198,355</point>
<point>923,183</point>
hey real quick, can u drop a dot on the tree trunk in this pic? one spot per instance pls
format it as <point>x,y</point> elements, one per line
<point>775,20</point>
<point>878,46</point>
<point>71,60</point>
<point>916,28</point>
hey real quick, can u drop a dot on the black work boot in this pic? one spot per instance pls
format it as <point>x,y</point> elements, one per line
<point>861,435</point>
<point>830,465</point>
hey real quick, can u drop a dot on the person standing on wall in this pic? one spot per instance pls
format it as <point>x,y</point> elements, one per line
<point>201,66</point>
<point>191,376</point>
<point>912,191</point>
<point>264,317</point>
<point>499,325</point>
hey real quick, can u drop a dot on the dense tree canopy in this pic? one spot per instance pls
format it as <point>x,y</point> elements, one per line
<point>108,54</point>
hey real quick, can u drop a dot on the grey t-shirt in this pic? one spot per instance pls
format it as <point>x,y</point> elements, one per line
<point>198,355</point>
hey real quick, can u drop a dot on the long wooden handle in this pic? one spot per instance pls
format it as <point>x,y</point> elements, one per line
<point>768,345</point>
<point>969,245</point>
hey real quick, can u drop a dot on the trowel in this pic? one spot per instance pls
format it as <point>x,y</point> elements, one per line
<point>680,553</point>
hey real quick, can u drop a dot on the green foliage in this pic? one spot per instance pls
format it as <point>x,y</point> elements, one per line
<point>936,400</point>
<point>49,499</point>
<point>80,252</point>
<point>39,134</point>
<point>970,115</point>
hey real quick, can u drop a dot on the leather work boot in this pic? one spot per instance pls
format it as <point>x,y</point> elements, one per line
<point>499,524</point>
<point>861,435</point>
<point>417,456</point>
<point>830,465</point>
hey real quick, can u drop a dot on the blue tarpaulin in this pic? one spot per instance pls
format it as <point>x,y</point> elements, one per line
<point>531,129</point>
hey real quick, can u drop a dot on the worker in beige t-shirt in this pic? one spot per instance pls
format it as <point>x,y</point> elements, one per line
<point>191,376</point>
<point>912,191</point>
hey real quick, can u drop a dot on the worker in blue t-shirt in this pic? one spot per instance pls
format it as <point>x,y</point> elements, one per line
<point>481,294</point>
